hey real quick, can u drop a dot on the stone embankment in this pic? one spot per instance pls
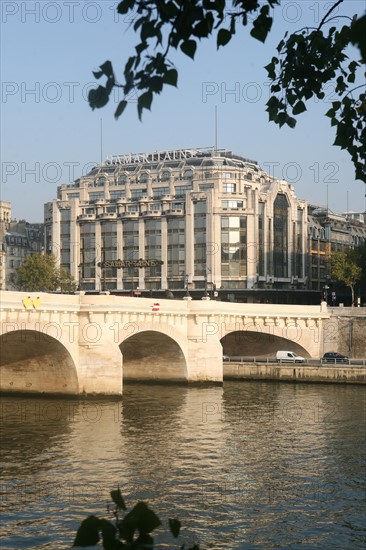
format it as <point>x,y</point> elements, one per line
<point>344,374</point>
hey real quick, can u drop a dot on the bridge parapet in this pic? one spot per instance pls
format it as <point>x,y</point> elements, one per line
<point>94,328</point>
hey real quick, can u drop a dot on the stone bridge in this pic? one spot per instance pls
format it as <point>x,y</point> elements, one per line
<point>89,344</point>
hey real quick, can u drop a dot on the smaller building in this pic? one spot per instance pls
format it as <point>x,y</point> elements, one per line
<point>18,239</point>
<point>329,233</point>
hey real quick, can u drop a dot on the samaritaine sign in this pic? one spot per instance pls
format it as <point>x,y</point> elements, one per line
<point>130,263</point>
<point>157,156</point>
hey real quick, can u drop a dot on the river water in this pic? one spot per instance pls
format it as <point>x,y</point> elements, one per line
<point>246,465</point>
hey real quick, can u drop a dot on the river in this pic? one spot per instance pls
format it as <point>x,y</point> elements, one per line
<point>247,465</point>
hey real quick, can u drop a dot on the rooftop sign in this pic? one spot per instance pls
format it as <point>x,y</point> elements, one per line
<point>157,156</point>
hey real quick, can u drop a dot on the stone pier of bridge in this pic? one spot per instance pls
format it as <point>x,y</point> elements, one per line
<point>89,344</point>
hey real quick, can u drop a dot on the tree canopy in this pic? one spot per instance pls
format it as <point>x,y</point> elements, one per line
<point>39,273</point>
<point>345,269</point>
<point>305,61</point>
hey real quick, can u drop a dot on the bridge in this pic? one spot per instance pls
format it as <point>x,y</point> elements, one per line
<point>89,344</point>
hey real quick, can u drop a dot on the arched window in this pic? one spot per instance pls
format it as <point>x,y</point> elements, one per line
<point>144,176</point>
<point>101,180</point>
<point>188,174</point>
<point>165,176</point>
<point>122,179</point>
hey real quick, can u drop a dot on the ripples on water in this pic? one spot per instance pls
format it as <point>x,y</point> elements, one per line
<point>249,465</point>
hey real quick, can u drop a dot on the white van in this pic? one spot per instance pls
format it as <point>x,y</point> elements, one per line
<point>289,357</point>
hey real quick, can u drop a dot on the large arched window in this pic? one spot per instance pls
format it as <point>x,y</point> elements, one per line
<point>144,176</point>
<point>280,236</point>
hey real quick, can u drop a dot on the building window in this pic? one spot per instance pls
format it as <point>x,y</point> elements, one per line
<point>109,251</point>
<point>280,236</point>
<point>298,244</point>
<point>122,180</point>
<point>229,188</point>
<point>176,252</point>
<point>188,174</point>
<point>261,244</point>
<point>87,251</point>
<point>165,176</point>
<point>101,181</point>
<point>160,191</point>
<point>233,246</point>
<point>200,223</point>
<point>154,206</point>
<point>93,197</point>
<point>181,191</point>
<point>153,246</point>
<point>137,193</point>
<point>130,252</point>
<point>232,204</point>
<point>144,176</point>
<point>115,195</point>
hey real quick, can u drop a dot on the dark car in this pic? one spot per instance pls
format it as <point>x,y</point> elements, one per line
<point>333,357</point>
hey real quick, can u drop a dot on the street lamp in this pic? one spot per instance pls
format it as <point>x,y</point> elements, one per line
<point>205,294</point>
<point>186,285</point>
<point>326,288</point>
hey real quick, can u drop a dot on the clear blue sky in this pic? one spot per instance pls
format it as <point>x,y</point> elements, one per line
<point>49,133</point>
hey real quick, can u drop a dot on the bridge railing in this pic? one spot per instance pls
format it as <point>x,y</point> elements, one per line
<point>308,361</point>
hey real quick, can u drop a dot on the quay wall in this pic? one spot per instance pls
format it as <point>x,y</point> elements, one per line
<point>295,373</point>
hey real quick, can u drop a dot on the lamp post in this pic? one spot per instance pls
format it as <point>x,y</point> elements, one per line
<point>187,296</point>
<point>205,294</point>
<point>326,288</point>
<point>80,273</point>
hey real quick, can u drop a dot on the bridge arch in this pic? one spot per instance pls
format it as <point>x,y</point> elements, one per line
<point>35,362</point>
<point>153,355</point>
<point>259,344</point>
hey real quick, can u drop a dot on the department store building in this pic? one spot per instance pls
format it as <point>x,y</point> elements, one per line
<point>212,219</point>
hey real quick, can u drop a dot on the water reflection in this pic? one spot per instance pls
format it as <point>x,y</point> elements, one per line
<point>247,465</point>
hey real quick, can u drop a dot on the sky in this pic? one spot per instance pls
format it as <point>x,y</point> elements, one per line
<point>50,136</point>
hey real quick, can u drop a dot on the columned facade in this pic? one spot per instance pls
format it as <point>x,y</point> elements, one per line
<point>211,218</point>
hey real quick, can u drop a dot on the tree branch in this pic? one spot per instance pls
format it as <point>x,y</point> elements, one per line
<point>328,13</point>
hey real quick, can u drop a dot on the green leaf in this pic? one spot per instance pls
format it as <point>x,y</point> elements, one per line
<point>141,518</point>
<point>98,97</point>
<point>357,36</point>
<point>223,37</point>
<point>108,532</point>
<point>148,30</point>
<point>116,495</point>
<point>299,108</point>
<point>124,6</point>
<point>174,526</point>
<point>121,107</point>
<point>291,122</point>
<point>262,25</point>
<point>88,532</point>
<point>189,48</point>
<point>98,74</point>
<point>171,77</point>
<point>144,102</point>
<point>107,69</point>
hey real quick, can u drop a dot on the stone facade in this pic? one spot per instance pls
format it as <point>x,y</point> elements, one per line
<point>213,218</point>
